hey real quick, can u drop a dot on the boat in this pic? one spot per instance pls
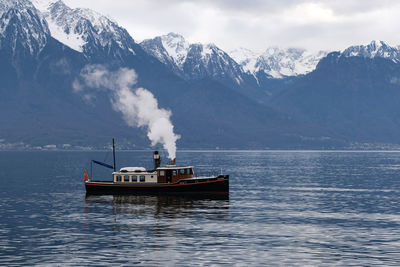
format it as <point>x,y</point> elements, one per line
<point>168,179</point>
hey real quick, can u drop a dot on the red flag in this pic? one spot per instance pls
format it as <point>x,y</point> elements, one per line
<point>86,176</point>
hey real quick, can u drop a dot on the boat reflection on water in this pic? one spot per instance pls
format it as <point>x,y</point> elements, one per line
<point>160,206</point>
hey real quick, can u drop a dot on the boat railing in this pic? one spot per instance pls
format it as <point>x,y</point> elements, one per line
<point>208,173</point>
<point>203,179</point>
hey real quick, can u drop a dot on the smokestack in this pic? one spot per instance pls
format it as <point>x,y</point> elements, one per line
<point>157,160</point>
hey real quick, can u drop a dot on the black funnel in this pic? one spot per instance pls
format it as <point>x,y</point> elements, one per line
<point>157,160</point>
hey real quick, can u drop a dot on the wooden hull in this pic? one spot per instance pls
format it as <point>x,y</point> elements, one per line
<point>213,185</point>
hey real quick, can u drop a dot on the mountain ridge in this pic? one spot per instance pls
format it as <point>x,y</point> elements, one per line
<point>276,62</point>
<point>41,109</point>
<point>195,61</point>
<point>214,101</point>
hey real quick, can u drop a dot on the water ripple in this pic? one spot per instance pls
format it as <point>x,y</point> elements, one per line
<point>284,208</point>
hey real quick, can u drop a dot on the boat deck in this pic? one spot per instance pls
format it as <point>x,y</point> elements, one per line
<point>199,184</point>
<point>182,181</point>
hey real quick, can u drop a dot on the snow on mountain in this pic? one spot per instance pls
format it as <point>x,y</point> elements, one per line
<point>42,5</point>
<point>176,47</point>
<point>209,60</point>
<point>372,50</point>
<point>170,49</point>
<point>276,62</point>
<point>246,58</point>
<point>83,30</point>
<point>21,24</point>
<point>193,61</point>
<point>173,48</point>
<point>31,22</point>
<point>70,39</point>
<point>5,5</point>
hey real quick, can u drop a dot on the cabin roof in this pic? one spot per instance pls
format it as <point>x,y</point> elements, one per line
<point>132,169</point>
<point>173,167</point>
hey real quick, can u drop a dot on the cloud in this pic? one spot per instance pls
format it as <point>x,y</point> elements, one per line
<point>257,24</point>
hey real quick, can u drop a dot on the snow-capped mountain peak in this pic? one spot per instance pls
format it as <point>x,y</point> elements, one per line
<point>288,62</point>
<point>176,46</point>
<point>172,48</point>
<point>211,49</point>
<point>372,50</point>
<point>43,5</point>
<point>246,58</point>
<point>193,61</point>
<point>21,23</point>
<point>83,30</point>
<point>277,62</point>
<point>55,13</point>
<point>5,5</point>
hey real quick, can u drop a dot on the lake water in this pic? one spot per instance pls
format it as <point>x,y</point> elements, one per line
<point>284,208</point>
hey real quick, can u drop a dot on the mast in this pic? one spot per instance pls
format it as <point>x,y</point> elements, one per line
<point>113,148</point>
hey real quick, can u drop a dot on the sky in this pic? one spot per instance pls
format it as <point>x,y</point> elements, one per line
<point>258,24</point>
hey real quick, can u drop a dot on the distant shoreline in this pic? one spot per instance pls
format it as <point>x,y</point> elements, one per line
<point>218,150</point>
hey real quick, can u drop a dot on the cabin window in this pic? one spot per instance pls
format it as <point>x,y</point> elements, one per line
<point>174,173</point>
<point>189,171</point>
<point>126,178</point>
<point>182,171</point>
<point>118,178</point>
<point>134,178</point>
<point>142,178</point>
<point>162,173</point>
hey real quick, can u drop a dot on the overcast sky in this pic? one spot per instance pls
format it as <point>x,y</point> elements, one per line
<point>257,24</point>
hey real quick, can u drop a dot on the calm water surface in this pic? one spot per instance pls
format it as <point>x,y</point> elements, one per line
<point>284,208</point>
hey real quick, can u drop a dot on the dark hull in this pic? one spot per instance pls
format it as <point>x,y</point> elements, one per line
<point>108,188</point>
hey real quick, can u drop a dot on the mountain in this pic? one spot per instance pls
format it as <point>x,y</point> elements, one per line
<point>375,49</point>
<point>275,68</point>
<point>171,50</point>
<point>86,31</point>
<point>22,25</point>
<point>39,106</point>
<point>354,93</point>
<point>197,61</point>
<point>194,61</point>
<point>276,62</point>
<point>279,101</point>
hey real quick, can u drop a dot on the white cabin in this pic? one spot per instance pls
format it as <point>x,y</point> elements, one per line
<point>166,174</point>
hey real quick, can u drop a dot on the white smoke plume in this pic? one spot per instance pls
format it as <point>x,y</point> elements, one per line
<point>139,108</point>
